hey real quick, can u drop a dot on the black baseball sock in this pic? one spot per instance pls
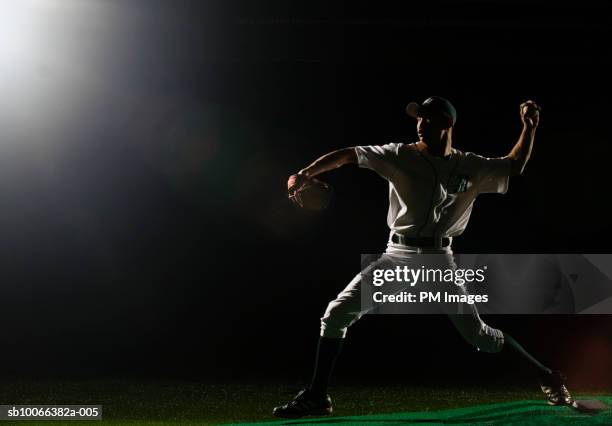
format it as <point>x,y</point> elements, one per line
<point>327,353</point>
<point>541,371</point>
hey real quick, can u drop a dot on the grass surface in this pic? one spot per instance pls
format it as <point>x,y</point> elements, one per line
<point>509,413</point>
<point>140,402</point>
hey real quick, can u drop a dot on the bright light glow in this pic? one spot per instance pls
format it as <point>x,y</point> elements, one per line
<point>14,28</point>
<point>27,27</point>
<point>49,60</point>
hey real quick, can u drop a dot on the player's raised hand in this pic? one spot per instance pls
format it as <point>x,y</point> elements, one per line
<point>530,114</point>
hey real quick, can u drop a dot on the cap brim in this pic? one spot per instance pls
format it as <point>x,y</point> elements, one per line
<point>413,109</point>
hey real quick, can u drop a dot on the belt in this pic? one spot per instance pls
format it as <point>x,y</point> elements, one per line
<point>428,242</point>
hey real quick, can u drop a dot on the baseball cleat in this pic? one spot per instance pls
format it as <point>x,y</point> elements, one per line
<point>305,403</point>
<point>554,389</point>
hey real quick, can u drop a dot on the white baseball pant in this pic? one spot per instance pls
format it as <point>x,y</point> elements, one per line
<point>347,308</point>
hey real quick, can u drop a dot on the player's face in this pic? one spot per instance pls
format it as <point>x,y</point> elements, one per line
<point>428,130</point>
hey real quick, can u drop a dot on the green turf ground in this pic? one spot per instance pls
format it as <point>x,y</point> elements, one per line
<point>524,412</point>
<point>160,403</point>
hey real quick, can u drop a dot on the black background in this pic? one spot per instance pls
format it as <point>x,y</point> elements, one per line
<point>162,245</point>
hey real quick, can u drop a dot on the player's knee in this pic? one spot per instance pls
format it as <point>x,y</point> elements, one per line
<point>488,339</point>
<point>336,320</point>
<point>333,331</point>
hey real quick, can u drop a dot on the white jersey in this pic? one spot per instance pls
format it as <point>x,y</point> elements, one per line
<point>432,196</point>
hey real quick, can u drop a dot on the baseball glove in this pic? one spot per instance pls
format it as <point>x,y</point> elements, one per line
<point>309,193</point>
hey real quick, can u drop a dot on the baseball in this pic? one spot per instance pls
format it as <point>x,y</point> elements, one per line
<point>530,110</point>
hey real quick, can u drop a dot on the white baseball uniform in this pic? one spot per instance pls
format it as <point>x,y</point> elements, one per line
<point>429,196</point>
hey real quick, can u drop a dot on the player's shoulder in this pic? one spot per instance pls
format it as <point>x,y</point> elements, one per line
<point>410,147</point>
<point>468,156</point>
<point>397,148</point>
<point>394,145</point>
<point>409,152</point>
<point>461,154</point>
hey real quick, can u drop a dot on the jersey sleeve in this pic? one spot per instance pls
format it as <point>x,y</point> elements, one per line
<point>492,174</point>
<point>380,158</point>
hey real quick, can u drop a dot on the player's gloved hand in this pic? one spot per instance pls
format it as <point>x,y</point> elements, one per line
<point>295,182</point>
<point>308,193</point>
<point>530,114</point>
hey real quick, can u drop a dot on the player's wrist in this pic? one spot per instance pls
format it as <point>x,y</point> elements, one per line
<point>530,128</point>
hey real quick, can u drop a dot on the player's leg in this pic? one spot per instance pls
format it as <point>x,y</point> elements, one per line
<point>489,339</point>
<point>552,382</point>
<point>342,312</point>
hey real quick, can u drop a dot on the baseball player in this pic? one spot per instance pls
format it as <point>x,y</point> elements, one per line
<point>432,188</point>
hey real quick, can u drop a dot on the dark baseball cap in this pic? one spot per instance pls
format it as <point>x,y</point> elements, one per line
<point>433,107</point>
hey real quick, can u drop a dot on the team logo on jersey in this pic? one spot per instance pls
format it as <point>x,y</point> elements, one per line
<point>458,183</point>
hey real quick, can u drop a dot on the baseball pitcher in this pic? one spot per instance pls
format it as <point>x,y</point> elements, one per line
<point>432,188</point>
